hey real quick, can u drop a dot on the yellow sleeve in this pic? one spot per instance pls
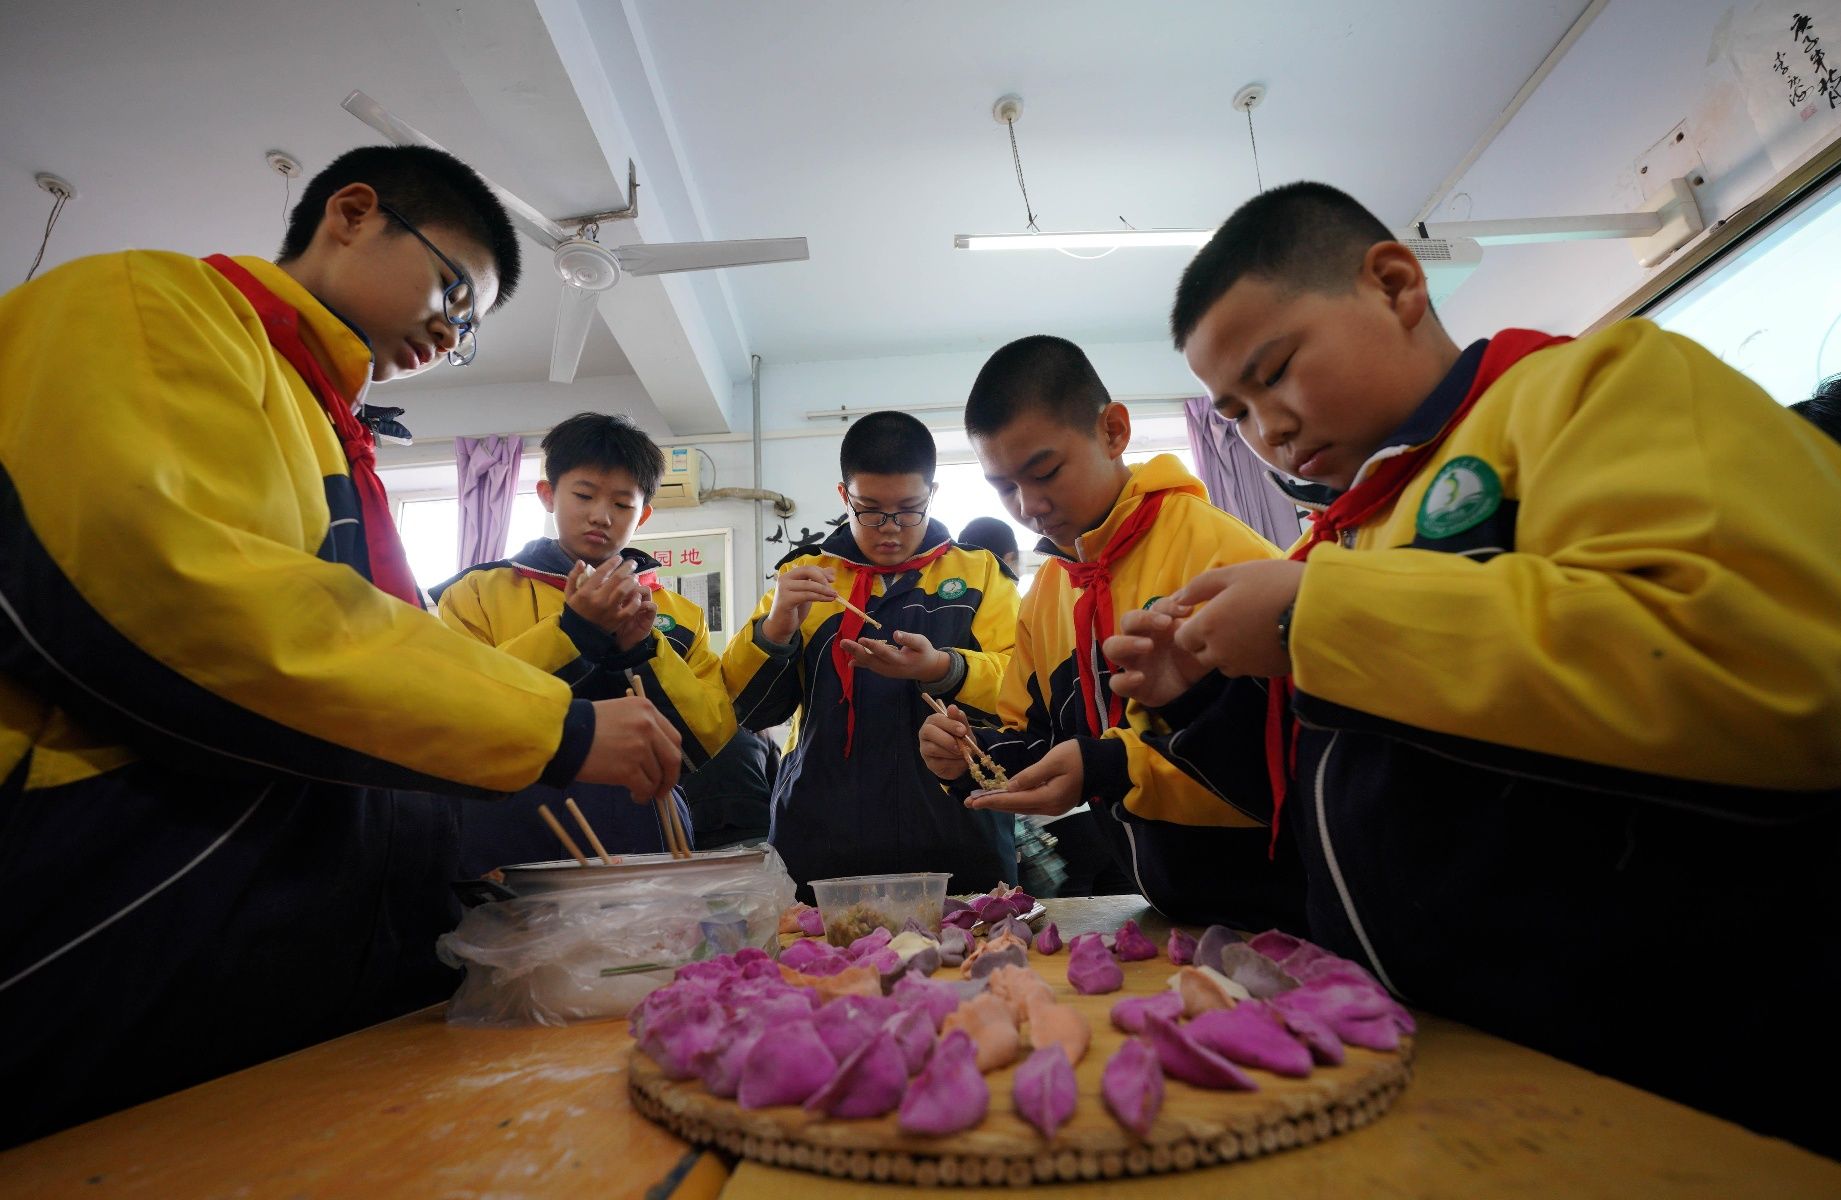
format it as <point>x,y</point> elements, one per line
<point>159,571</point>
<point>764,688</point>
<point>688,689</point>
<point>994,629</point>
<point>1164,784</point>
<point>1670,603</point>
<point>543,645</point>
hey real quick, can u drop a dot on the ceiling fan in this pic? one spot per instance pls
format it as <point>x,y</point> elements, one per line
<point>588,268</point>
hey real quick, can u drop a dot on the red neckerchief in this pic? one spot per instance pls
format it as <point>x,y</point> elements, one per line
<point>1352,510</point>
<point>852,626</point>
<point>1093,616</point>
<point>389,566</point>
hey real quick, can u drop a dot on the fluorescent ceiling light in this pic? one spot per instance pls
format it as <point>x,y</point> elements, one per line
<point>1107,239</point>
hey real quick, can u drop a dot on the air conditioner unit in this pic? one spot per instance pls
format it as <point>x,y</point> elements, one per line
<point>680,486</point>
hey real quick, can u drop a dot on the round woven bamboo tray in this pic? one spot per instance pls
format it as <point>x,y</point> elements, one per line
<point>1197,1127</point>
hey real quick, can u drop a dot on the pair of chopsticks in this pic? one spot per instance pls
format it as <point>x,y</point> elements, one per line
<point>996,780</point>
<point>562,835</point>
<point>668,820</point>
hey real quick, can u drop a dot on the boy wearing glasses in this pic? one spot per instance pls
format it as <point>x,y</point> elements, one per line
<point>852,796</point>
<point>1052,442</point>
<point>213,660</point>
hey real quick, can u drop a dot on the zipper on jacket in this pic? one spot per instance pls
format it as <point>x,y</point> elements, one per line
<point>1342,885</point>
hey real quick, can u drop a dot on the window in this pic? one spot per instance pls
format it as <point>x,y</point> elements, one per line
<point>1769,308</point>
<point>430,529</point>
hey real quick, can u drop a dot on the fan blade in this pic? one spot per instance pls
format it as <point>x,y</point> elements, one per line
<point>666,257</point>
<point>572,320</point>
<point>547,232</point>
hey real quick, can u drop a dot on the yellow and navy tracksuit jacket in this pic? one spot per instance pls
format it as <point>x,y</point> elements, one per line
<point>879,809</point>
<point>517,605</point>
<point>1193,857</point>
<point>1571,713</point>
<point>198,688</point>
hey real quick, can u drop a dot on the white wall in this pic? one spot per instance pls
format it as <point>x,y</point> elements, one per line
<point>799,456</point>
<point>1639,70</point>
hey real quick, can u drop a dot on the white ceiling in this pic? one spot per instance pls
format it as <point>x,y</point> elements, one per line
<point>863,124</point>
<point>160,115</point>
<point>867,127</point>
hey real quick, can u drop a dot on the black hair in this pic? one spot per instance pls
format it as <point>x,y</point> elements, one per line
<point>989,533</point>
<point>425,185</point>
<point>887,443</point>
<point>602,442</point>
<point>1302,236</point>
<point>1047,374</point>
<point>1823,410</point>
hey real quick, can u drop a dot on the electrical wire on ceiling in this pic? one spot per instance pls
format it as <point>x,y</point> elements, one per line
<point>1258,176</point>
<point>60,196</point>
<point>1016,159</point>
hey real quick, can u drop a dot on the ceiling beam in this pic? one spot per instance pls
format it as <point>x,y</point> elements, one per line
<point>676,344</point>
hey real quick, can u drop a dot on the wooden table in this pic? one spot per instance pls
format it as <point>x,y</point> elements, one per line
<point>416,1108</point>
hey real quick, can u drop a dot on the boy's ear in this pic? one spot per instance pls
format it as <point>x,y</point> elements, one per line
<point>843,495</point>
<point>1396,271</point>
<point>546,495</point>
<point>347,210</point>
<point>645,514</point>
<point>1114,428</point>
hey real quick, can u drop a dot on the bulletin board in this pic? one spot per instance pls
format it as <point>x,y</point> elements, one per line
<point>699,565</point>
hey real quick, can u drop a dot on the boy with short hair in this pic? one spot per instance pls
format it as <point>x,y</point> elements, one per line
<point>852,796</point>
<point>213,661</point>
<point>1052,440</point>
<point>588,608</point>
<point>1562,656</point>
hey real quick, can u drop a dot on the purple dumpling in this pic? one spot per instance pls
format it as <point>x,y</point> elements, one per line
<point>1049,940</point>
<point>680,1038</point>
<point>949,1094</point>
<point>935,999</point>
<point>1015,926</point>
<point>1044,1090</point>
<point>870,942</point>
<point>1130,944</point>
<point>811,922</point>
<point>1192,1062</point>
<point>867,1084</point>
<point>1012,955</point>
<point>965,918</point>
<point>1092,970</point>
<point>1132,1085</point>
<point>1181,948</point>
<point>1253,1035</point>
<point>1259,975</point>
<point>913,1031</point>
<point>785,1067</point>
<point>1128,1014</point>
<point>955,944</point>
<point>1275,944</point>
<point>722,1071</point>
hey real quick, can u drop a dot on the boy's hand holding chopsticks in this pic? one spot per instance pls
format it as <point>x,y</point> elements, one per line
<point>634,747</point>
<point>794,594</point>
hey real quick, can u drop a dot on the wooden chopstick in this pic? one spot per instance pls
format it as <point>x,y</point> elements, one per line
<point>967,746</point>
<point>667,809</point>
<point>562,835</point>
<point>867,619</point>
<point>588,829</point>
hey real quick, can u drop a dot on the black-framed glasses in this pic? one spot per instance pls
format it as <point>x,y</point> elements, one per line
<point>875,518</point>
<point>456,297</point>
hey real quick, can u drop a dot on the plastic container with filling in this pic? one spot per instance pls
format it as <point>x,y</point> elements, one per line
<point>857,905</point>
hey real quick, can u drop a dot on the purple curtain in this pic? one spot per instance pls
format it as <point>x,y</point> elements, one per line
<point>488,483</point>
<point>1236,480</point>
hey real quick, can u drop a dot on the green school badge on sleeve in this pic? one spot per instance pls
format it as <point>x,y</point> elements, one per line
<point>1464,493</point>
<point>664,623</point>
<point>1151,601</point>
<point>952,589</point>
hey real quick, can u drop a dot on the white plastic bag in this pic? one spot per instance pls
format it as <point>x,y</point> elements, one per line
<point>588,953</point>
